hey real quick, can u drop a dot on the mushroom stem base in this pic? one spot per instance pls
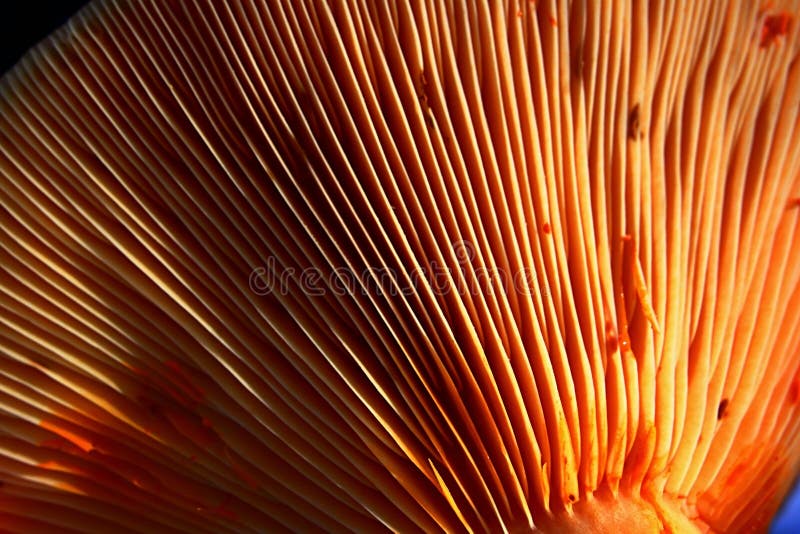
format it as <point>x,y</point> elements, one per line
<point>603,512</point>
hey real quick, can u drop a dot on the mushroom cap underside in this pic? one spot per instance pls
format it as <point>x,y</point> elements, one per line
<point>460,266</point>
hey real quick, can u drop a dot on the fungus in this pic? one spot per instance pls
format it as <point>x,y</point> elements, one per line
<point>480,266</point>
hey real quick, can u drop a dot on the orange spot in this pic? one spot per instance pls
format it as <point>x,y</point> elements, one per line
<point>794,391</point>
<point>519,13</point>
<point>626,237</point>
<point>546,228</point>
<point>553,22</point>
<point>52,465</point>
<point>774,27</point>
<point>794,202</point>
<point>736,473</point>
<point>84,444</point>
<point>612,341</point>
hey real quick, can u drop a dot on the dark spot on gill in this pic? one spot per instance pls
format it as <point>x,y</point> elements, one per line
<point>722,410</point>
<point>634,123</point>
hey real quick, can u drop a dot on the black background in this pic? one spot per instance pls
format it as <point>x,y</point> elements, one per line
<point>23,23</point>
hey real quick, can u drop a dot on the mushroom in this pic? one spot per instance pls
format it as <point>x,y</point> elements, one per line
<point>461,266</point>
